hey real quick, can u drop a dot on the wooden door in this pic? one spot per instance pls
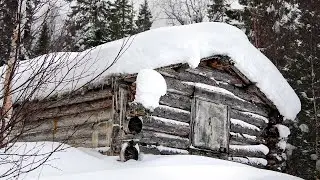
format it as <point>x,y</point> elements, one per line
<point>210,125</point>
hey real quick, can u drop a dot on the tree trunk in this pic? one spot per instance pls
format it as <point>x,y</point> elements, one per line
<point>7,94</point>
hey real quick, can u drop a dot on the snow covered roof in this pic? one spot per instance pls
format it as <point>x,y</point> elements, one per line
<point>158,48</point>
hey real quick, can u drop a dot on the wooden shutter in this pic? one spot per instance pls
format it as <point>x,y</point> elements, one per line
<point>210,125</point>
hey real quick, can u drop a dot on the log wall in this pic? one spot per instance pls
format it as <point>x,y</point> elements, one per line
<point>99,117</point>
<point>167,130</point>
<point>84,120</point>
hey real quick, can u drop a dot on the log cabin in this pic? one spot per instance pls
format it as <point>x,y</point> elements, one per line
<point>222,107</point>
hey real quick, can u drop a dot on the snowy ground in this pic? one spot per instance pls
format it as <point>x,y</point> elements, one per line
<point>80,163</point>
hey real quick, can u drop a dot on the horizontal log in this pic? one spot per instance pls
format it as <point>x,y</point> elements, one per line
<point>171,151</point>
<point>257,120</point>
<point>244,139</point>
<point>252,161</point>
<point>233,102</point>
<point>72,109</point>
<point>103,130</point>
<point>177,86</point>
<point>71,120</point>
<point>161,150</point>
<point>209,77</point>
<point>259,151</point>
<point>166,126</point>
<point>201,75</point>
<point>242,93</point>
<point>244,130</point>
<point>76,99</point>
<point>172,113</point>
<point>87,142</point>
<point>177,101</point>
<point>148,149</point>
<point>157,139</point>
<point>82,142</point>
<point>207,153</point>
<point>216,75</point>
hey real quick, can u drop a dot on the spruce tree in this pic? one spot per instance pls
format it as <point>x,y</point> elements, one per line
<point>216,11</point>
<point>286,32</point>
<point>43,43</point>
<point>7,16</point>
<point>304,76</point>
<point>88,24</point>
<point>227,12</point>
<point>144,21</point>
<point>121,20</point>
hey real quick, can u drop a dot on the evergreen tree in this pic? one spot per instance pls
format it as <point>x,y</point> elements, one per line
<point>304,76</point>
<point>121,20</point>
<point>7,19</point>
<point>144,21</point>
<point>228,12</point>
<point>286,32</point>
<point>42,45</point>
<point>88,24</point>
<point>216,11</point>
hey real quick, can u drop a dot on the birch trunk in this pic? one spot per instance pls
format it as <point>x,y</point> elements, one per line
<point>7,96</point>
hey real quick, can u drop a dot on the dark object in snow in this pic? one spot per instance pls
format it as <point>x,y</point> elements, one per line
<point>129,150</point>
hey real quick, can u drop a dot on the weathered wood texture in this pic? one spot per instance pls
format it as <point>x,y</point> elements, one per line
<point>252,161</point>
<point>208,153</point>
<point>245,130</point>
<point>161,150</point>
<point>210,125</point>
<point>211,77</point>
<point>172,113</point>
<point>231,101</point>
<point>98,118</point>
<point>167,126</point>
<point>246,151</point>
<point>67,121</point>
<point>68,100</point>
<point>245,139</point>
<point>254,119</point>
<point>246,105</point>
<point>82,120</point>
<point>88,135</point>
<point>156,138</point>
<point>176,101</point>
<point>73,109</point>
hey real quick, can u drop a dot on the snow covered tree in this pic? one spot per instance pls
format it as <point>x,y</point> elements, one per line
<point>88,24</point>
<point>216,11</point>
<point>181,12</point>
<point>121,19</point>
<point>304,75</point>
<point>230,12</point>
<point>43,43</point>
<point>144,21</point>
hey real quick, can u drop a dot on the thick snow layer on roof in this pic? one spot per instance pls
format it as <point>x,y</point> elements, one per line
<point>82,164</point>
<point>162,47</point>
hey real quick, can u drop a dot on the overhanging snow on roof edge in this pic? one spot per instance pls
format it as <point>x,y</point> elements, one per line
<point>163,47</point>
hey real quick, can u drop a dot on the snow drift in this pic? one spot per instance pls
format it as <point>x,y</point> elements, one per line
<point>69,163</point>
